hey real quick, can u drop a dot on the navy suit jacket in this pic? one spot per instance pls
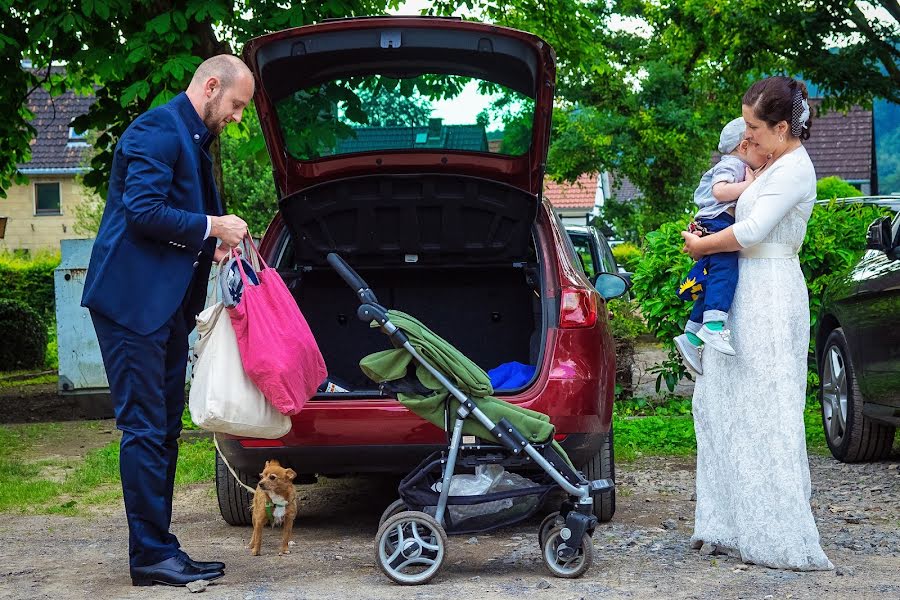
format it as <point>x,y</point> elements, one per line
<point>150,259</point>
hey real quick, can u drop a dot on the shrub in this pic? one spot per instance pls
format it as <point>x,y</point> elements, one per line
<point>626,325</point>
<point>30,281</point>
<point>24,336</point>
<point>656,278</point>
<point>835,239</point>
<point>829,188</point>
<point>627,256</point>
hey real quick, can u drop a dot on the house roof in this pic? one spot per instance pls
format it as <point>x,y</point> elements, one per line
<point>50,148</point>
<point>841,143</point>
<point>581,194</point>
<point>457,137</point>
<point>622,189</point>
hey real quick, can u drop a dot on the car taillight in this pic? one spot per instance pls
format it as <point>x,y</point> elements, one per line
<point>578,308</point>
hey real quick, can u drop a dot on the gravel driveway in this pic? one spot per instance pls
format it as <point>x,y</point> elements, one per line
<point>642,553</point>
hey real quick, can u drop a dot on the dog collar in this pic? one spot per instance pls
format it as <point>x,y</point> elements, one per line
<point>272,507</point>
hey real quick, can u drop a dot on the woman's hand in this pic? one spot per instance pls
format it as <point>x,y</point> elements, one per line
<point>692,245</point>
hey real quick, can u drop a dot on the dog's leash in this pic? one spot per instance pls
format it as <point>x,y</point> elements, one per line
<point>228,466</point>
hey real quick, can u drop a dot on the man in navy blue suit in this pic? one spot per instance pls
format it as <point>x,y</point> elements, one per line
<point>145,284</point>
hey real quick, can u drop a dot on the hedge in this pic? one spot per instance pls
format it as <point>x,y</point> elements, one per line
<point>30,281</point>
<point>24,336</point>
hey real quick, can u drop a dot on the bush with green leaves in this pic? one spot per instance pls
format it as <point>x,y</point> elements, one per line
<point>627,256</point>
<point>24,336</point>
<point>656,279</point>
<point>30,281</point>
<point>829,188</point>
<point>626,325</point>
<point>835,239</point>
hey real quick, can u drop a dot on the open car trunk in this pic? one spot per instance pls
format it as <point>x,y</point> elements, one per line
<point>455,252</point>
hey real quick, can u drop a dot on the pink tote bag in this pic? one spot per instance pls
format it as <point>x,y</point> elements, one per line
<point>277,348</point>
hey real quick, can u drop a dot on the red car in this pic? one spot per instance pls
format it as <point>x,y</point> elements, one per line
<point>415,148</point>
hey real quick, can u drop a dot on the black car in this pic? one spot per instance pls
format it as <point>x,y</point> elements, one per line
<point>592,247</point>
<point>858,350</point>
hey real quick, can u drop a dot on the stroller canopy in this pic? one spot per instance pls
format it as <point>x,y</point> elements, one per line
<point>393,365</point>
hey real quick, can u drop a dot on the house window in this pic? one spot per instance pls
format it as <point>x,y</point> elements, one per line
<point>46,198</point>
<point>77,137</point>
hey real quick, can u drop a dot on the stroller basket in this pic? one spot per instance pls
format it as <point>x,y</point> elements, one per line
<point>517,498</point>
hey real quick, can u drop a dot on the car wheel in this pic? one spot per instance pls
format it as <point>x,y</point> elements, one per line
<point>851,436</point>
<point>602,466</point>
<point>234,501</point>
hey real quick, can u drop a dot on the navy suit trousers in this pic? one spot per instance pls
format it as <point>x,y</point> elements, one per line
<point>146,381</point>
<point>722,274</point>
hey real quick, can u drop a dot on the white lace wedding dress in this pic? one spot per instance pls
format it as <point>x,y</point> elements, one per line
<point>753,486</point>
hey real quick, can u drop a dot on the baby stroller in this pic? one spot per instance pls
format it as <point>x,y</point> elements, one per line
<point>438,383</point>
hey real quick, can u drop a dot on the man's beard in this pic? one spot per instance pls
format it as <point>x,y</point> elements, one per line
<point>214,125</point>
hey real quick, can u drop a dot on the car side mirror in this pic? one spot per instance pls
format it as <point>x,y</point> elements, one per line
<point>878,237</point>
<point>610,286</point>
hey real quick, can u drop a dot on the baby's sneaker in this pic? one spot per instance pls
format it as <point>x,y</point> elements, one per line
<point>718,340</point>
<point>690,353</point>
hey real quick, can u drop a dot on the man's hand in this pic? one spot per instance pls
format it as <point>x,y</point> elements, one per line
<point>230,230</point>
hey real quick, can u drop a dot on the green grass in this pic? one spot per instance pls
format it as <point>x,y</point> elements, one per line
<point>670,406</point>
<point>659,436</point>
<point>11,379</point>
<point>667,429</point>
<point>815,433</point>
<point>27,486</point>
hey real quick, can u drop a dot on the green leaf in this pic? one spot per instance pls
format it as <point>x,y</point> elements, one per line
<point>160,24</point>
<point>138,54</point>
<point>102,9</point>
<point>138,89</point>
<point>180,21</point>
<point>161,98</point>
<point>87,7</point>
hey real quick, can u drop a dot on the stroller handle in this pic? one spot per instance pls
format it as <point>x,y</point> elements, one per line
<point>352,278</point>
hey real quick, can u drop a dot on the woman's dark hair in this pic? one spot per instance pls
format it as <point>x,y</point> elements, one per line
<point>776,99</point>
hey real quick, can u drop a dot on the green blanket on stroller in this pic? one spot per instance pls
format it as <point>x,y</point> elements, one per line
<point>391,365</point>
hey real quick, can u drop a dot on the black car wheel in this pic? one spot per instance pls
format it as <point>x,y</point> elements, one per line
<point>234,501</point>
<point>851,436</point>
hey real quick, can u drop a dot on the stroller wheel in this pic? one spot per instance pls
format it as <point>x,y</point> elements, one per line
<point>395,507</point>
<point>410,547</point>
<point>552,520</point>
<point>568,568</point>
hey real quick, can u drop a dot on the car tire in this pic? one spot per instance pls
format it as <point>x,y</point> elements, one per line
<point>235,502</point>
<point>851,436</point>
<point>602,466</point>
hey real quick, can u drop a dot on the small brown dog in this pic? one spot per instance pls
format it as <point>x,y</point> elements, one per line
<point>275,502</point>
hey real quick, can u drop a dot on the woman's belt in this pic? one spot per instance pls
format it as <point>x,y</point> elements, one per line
<point>771,250</point>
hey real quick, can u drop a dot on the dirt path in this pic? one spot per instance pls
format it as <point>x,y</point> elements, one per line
<point>642,553</point>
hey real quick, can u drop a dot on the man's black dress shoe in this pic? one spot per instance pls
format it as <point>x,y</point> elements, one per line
<point>202,565</point>
<point>172,571</point>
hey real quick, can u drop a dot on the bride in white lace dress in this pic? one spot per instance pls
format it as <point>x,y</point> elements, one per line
<point>753,485</point>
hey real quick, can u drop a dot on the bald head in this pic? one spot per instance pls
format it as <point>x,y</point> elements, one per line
<point>224,67</point>
<point>221,88</point>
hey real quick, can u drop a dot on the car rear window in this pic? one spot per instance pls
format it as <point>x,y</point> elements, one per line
<point>429,111</point>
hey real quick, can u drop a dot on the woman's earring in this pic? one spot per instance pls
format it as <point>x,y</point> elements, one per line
<point>781,138</point>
